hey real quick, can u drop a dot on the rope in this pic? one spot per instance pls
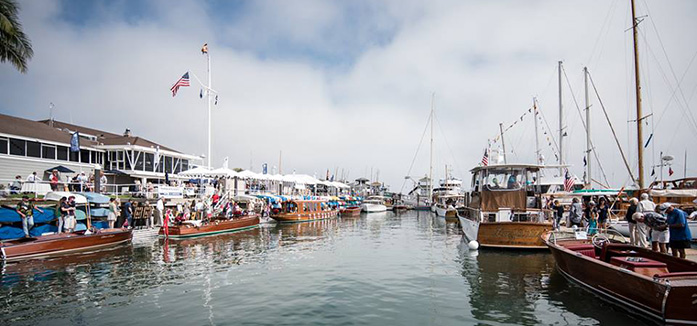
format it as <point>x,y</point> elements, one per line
<point>417,152</point>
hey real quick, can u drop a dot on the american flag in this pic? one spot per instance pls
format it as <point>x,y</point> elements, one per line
<point>184,81</point>
<point>485,158</point>
<point>568,181</point>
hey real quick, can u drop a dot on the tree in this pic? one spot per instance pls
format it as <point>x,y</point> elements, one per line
<point>15,47</point>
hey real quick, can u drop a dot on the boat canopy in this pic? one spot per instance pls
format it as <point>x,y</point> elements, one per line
<point>673,193</point>
<point>95,198</point>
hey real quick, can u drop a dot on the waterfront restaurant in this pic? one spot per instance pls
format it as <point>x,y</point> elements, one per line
<point>28,146</point>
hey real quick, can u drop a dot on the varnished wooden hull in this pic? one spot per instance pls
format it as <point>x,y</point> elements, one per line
<point>62,244</point>
<point>668,299</point>
<point>351,212</point>
<point>514,235</point>
<point>214,227</point>
<point>304,217</point>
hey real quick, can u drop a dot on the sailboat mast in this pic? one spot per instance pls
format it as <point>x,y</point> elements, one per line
<point>430,166</point>
<point>640,138</point>
<point>537,136</point>
<point>588,131</point>
<point>503,143</point>
<point>561,127</point>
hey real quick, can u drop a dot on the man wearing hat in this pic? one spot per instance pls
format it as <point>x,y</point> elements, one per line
<point>25,209</point>
<point>680,234</point>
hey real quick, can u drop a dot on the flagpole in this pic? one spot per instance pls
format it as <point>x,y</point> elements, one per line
<point>210,86</point>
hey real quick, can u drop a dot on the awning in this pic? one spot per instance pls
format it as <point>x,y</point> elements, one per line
<point>61,169</point>
<point>116,172</point>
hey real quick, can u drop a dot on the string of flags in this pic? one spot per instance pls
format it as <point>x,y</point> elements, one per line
<point>546,134</point>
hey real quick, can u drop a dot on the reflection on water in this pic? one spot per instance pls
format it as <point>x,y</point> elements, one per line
<point>377,269</point>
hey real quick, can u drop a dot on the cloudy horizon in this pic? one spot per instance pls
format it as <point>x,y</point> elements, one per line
<point>347,86</point>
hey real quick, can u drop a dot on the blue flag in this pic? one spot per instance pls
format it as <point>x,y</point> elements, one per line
<point>75,142</point>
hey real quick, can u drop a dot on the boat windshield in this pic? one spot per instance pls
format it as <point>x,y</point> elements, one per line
<point>505,179</point>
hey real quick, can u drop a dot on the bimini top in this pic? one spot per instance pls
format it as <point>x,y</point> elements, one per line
<point>517,166</point>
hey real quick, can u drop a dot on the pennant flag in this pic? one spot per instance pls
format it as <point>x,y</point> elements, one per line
<point>648,141</point>
<point>182,82</point>
<point>216,100</point>
<point>485,158</point>
<point>568,181</point>
<point>670,171</point>
<point>204,48</point>
<point>584,161</point>
<point>200,94</point>
<point>75,142</point>
<point>653,172</point>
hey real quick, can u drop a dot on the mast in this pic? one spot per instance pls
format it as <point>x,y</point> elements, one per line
<point>503,144</point>
<point>561,127</point>
<point>210,87</point>
<point>640,138</point>
<point>537,136</point>
<point>430,166</point>
<point>588,184</point>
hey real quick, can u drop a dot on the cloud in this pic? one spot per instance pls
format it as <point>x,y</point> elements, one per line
<point>348,84</point>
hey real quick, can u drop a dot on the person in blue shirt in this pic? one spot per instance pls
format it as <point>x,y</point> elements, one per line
<point>680,234</point>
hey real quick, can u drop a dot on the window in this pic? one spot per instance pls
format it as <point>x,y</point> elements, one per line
<point>140,157</point>
<point>62,153</point>
<point>161,164</point>
<point>74,156</point>
<point>149,162</point>
<point>505,179</point>
<point>185,165</point>
<point>94,155</point>
<point>33,149</point>
<point>177,165</point>
<point>48,151</point>
<point>3,145</point>
<point>17,147</point>
<point>84,156</point>
<point>168,164</point>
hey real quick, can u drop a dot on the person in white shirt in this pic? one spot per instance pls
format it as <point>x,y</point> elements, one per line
<point>641,230</point>
<point>160,206</point>
<point>33,178</point>
<point>102,183</point>
<point>82,179</point>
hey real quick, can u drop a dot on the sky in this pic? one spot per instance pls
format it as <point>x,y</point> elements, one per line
<point>347,86</point>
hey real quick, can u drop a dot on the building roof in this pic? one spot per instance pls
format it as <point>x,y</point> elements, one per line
<point>108,138</point>
<point>37,130</point>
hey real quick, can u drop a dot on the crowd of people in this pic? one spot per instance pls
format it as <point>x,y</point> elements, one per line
<point>658,226</point>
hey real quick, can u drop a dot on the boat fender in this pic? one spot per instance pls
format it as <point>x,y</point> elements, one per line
<point>473,245</point>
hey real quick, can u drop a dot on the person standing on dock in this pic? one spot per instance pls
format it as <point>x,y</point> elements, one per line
<point>160,206</point>
<point>603,214</point>
<point>631,223</point>
<point>25,209</point>
<point>575,213</point>
<point>680,234</point>
<point>641,231</point>
<point>53,179</point>
<point>558,213</point>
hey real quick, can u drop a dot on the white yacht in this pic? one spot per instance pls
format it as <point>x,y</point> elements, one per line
<point>374,204</point>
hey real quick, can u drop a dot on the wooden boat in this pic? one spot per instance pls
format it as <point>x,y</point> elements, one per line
<point>399,208</point>
<point>351,211</point>
<point>303,211</point>
<point>61,244</point>
<point>193,229</point>
<point>374,204</point>
<point>644,282</point>
<point>505,215</point>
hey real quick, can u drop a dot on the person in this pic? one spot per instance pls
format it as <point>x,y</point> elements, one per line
<point>102,183</point>
<point>70,221</point>
<point>61,215</point>
<point>25,208</point>
<point>512,182</point>
<point>113,212</point>
<point>680,234</point>
<point>592,217</point>
<point>603,214</point>
<point>250,207</point>
<point>641,230</point>
<point>160,206</point>
<point>82,181</point>
<point>659,231</point>
<point>128,212</point>
<point>215,198</point>
<point>16,185</point>
<point>631,223</point>
<point>558,213</point>
<point>53,179</point>
<point>64,212</point>
<point>33,178</point>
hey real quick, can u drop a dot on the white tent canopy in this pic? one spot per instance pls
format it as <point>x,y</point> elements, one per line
<point>195,172</point>
<point>246,174</point>
<point>223,172</point>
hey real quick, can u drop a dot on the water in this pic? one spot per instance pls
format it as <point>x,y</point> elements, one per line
<point>379,269</point>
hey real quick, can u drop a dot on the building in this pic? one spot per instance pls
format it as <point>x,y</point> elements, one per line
<point>28,146</point>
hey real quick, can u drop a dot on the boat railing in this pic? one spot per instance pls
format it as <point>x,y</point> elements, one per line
<point>584,234</point>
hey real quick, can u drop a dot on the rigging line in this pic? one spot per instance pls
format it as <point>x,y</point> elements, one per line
<point>457,165</point>
<point>670,65</point>
<point>417,152</point>
<point>549,130</point>
<point>675,90</point>
<point>578,109</point>
<point>624,158</point>
<point>606,21</point>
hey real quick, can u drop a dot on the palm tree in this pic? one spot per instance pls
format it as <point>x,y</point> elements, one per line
<point>14,44</point>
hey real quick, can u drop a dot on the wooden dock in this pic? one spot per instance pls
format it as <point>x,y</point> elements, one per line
<point>691,254</point>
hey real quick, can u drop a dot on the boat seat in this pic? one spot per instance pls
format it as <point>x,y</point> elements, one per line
<point>588,252</point>
<point>579,247</point>
<point>676,274</point>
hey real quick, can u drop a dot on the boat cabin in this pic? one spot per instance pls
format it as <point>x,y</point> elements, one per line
<point>303,206</point>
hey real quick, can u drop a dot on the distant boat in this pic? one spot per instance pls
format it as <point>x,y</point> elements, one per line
<point>645,282</point>
<point>304,211</point>
<point>194,228</point>
<point>374,204</point>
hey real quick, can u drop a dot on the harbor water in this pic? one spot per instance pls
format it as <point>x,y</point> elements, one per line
<point>377,269</point>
